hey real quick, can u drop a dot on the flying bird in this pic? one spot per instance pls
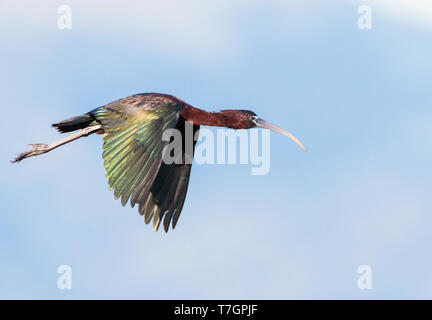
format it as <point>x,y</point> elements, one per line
<point>132,130</point>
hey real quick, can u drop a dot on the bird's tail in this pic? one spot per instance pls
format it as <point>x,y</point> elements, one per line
<point>74,123</point>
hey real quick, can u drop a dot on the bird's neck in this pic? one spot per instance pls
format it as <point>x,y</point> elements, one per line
<point>205,118</point>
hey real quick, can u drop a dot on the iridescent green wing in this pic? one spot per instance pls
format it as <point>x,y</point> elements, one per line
<point>133,145</point>
<point>168,192</point>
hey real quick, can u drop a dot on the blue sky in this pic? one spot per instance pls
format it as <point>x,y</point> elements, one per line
<point>358,99</point>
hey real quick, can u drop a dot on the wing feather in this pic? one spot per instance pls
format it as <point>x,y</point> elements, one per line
<point>168,192</point>
<point>132,154</point>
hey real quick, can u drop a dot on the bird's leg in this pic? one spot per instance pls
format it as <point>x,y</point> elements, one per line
<point>38,149</point>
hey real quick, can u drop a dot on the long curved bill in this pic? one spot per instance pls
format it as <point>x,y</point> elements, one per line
<point>267,125</point>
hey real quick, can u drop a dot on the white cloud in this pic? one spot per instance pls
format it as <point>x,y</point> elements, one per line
<point>190,27</point>
<point>412,12</point>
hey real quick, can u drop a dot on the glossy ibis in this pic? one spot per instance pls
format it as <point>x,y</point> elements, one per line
<point>132,128</point>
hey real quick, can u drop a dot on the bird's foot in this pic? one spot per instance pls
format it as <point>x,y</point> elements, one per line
<point>35,150</point>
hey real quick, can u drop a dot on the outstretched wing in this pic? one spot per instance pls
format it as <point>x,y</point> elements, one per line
<point>132,154</point>
<point>168,192</point>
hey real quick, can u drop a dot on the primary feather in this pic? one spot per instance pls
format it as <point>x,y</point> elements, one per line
<point>132,153</point>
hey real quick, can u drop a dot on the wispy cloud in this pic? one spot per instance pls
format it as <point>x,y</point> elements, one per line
<point>411,12</point>
<point>191,27</point>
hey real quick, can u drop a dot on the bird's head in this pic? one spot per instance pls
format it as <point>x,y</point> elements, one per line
<point>246,119</point>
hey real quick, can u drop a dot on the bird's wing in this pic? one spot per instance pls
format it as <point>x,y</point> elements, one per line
<point>168,192</point>
<point>167,195</point>
<point>132,154</point>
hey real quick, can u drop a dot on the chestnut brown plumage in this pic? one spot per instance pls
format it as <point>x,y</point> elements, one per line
<point>132,130</point>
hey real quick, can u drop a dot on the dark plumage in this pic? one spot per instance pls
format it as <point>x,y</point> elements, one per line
<point>132,130</point>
